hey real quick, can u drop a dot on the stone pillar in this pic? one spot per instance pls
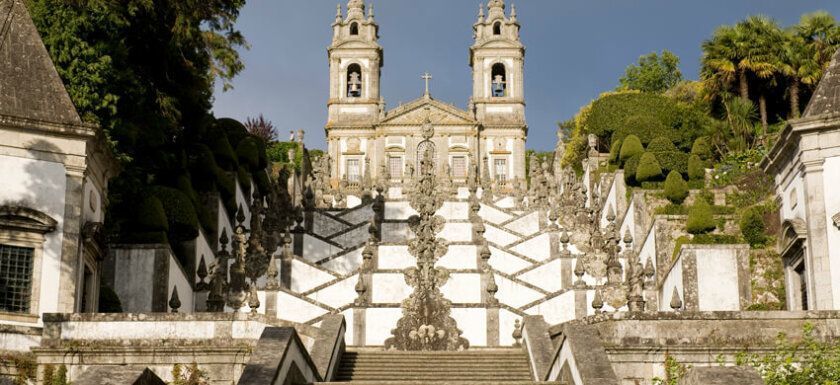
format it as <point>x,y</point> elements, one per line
<point>443,153</point>
<point>71,244</point>
<point>817,260</point>
<point>493,325</point>
<point>359,316</point>
<point>271,303</point>
<point>519,158</point>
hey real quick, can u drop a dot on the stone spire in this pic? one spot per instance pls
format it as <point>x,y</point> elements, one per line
<point>355,8</point>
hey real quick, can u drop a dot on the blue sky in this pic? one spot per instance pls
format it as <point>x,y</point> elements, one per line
<point>576,49</point>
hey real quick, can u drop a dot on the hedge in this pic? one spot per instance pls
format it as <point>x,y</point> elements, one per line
<point>696,168</point>
<point>630,169</point>
<point>702,148</point>
<point>109,301</point>
<point>630,147</point>
<point>233,130</point>
<point>644,126</point>
<point>248,153</point>
<point>661,144</point>
<point>615,151</point>
<point>222,150</point>
<point>150,223</point>
<point>672,161</point>
<point>676,188</point>
<point>180,213</point>
<point>648,169</point>
<point>700,219</point>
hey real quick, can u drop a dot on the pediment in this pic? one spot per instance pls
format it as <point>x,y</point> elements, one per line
<point>439,113</point>
<point>26,219</point>
<point>498,43</point>
<point>355,44</point>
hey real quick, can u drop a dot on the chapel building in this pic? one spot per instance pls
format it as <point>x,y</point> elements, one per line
<point>364,138</point>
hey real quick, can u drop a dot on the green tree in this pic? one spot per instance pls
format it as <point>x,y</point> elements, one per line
<point>753,227</point>
<point>806,362</point>
<point>676,188</point>
<point>764,39</point>
<point>696,168</point>
<point>652,73</point>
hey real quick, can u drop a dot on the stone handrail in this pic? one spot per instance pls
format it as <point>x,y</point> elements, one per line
<point>279,358</point>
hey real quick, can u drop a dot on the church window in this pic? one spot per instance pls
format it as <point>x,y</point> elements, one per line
<point>459,166</point>
<point>499,80</point>
<point>16,264</point>
<point>500,170</point>
<point>395,167</point>
<point>497,28</point>
<point>354,29</point>
<point>421,151</point>
<point>354,81</point>
<point>354,170</point>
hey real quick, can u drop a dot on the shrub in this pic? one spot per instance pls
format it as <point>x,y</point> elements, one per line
<point>700,219</point>
<point>630,147</point>
<point>262,181</point>
<point>648,169</point>
<point>150,224</point>
<point>630,169</point>
<point>244,178</point>
<point>676,188</point>
<point>702,148</point>
<point>109,302</point>
<point>248,153</point>
<point>672,161</point>
<point>615,149</point>
<point>222,150</point>
<point>233,130</point>
<point>696,168</point>
<point>645,127</point>
<point>753,227</point>
<point>661,144</point>
<point>180,213</point>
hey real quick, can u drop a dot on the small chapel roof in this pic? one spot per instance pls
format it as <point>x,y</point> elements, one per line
<point>30,86</point>
<point>826,98</point>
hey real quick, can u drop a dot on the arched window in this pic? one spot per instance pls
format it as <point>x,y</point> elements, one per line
<point>497,28</point>
<point>354,81</point>
<point>354,29</point>
<point>424,146</point>
<point>499,80</point>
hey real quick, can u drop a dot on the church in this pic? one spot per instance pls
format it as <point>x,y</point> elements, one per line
<point>363,135</point>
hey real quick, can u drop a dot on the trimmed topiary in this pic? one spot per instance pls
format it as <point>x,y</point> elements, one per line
<point>700,219</point>
<point>753,227</point>
<point>676,188</point>
<point>222,150</point>
<point>248,152</point>
<point>244,179</point>
<point>661,144</point>
<point>615,149</point>
<point>630,147</point>
<point>180,213</point>
<point>233,129</point>
<point>109,301</point>
<point>702,148</point>
<point>672,161</point>
<point>262,181</point>
<point>149,225</point>
<point>645,127</point>
<point>648,169</point>
<point>696,168</point>
<point>630,167</point>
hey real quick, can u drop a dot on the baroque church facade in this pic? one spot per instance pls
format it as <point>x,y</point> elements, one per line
<point>365,138</point>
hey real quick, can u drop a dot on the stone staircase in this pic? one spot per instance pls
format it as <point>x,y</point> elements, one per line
<point>480,366</point>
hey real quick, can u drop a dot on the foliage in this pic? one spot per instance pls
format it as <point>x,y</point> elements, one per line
<point>278,152</point>
<point>188,375</point>
<point>700,219</point>
<point>805,362</point>
<point>752,227</point>
<point>615,151</point>
<point>661,144</point>
<point>696,168</point>
<point>150,223</point>
<point>674,372</point>
<point>24,365</point>
<point>248,153</point>
<point>109,301</point>
<point>182,221</point>
<point>648,169</point>
<point>262,128</point>
<point>631,146</point>
<point>702,148</point>
<point>55,377</point>
<point>676,188</point>
<point>652,73</point>
<point>630,169</point>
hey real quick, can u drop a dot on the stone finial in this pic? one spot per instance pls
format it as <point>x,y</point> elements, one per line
<point>223,240</point>
<point>649,270</point>
<point>240,215</point>
<point>174,301</point>
<point>597,301</point>
<point>271,274</point>
<point>492,288</point>
<point>480,13</point>
<point>676,302</point>
<point>361,289</point>
<point>836,220</point>
<point>370,12</point>
<point>628,238</point>
<point>610,213</point>
<point>517,333</point>
<point>513,12</point>
<point>201,273</point>
<point>580,271</point>
<point>253,298</point>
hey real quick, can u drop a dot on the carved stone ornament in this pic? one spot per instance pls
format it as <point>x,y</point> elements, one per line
<point>426,323</point>
<point>836,220</point>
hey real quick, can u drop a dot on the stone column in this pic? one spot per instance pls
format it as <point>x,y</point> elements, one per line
<point>443,153</point>
<point>819,272</point>
<point>519,158</point>
<point>71,239</point>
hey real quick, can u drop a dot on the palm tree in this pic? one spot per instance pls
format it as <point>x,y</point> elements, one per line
<point>720,63</point>
<point>763,39</point>
<point>799,63</point>
<point>821,33</point>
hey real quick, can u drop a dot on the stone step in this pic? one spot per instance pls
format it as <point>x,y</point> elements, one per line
<point>445,382</point>
<point>434,378</point>
<point>432,372</point>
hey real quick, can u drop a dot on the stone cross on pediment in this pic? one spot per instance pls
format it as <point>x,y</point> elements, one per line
<point>427,77</point>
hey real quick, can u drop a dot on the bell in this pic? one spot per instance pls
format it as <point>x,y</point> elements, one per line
<point>498,86</point>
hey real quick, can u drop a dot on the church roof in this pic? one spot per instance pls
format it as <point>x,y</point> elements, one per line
<point>826,98</point>
<point>440,113</point>
<point>30,87</point>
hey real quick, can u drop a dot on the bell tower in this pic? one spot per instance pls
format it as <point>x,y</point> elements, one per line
<point>355,105</point>
<point>355,61</point>
<point>497,58</point>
